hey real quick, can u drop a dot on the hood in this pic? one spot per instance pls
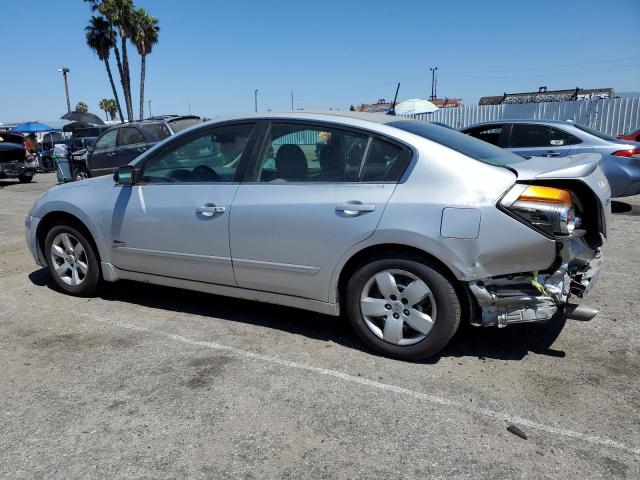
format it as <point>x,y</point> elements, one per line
<point>572,166</point>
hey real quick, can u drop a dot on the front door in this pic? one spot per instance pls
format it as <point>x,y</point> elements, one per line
<point>312,197</point>
<point>175,221</point>
<point>131,143</point>
<point>104,157</point>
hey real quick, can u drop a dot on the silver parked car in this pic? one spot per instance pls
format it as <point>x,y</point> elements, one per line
<point>555,138</point>
<point>409,228</point>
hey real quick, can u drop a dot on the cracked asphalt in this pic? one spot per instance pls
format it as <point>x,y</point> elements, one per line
<point>152,382</point>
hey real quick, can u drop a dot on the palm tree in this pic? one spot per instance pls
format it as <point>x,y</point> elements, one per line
<point>145,36</point>
<point>119,13</point>
<point>101,39</point>
<point>82,107</point>
<point>104,107</point>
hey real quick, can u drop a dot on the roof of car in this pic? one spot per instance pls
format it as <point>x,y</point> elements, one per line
<point>378,118</point>
<point>529,121</point>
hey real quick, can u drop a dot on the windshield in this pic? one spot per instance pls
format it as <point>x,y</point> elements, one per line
<point>596,133</point>
<point>460,142</point>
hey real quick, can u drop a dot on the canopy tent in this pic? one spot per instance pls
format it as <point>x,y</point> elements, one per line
<point>415,106</point>
<point>33,127</point>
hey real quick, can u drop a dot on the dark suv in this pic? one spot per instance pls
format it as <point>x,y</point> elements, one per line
<point>120,144</point>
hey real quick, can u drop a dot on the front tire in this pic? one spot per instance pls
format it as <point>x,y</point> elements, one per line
<point>402,307</point>
<point>80,173</point>
<point>72,261</point>
<point>25,178</point>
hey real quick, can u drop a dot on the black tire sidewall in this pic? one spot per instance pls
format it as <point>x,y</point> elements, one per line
<point>90,284</point>
<point>25,178</point>
<point>448,308</point>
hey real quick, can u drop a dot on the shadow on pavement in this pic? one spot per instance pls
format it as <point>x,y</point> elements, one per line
<point>512,343</point>
<point>620,207</point>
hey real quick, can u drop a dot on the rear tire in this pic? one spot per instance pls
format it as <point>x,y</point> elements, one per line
<point>25,178</point>
<point>72,260</point>
<point>402,307</point>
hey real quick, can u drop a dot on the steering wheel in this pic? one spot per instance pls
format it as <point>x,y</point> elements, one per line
<point>203,173</point>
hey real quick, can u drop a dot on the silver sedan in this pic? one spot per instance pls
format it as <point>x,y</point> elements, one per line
<point>408,228</point>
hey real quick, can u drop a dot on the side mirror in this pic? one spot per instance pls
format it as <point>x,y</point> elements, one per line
<point>124,175</point>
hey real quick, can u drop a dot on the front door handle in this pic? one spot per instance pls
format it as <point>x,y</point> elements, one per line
<point>142,149</point>
<point>112,154</point>
<point>551,153</point>
<point>353,209</point>
<point>209,210</point>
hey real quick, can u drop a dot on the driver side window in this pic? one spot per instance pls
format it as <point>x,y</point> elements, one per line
<point>212,155</point>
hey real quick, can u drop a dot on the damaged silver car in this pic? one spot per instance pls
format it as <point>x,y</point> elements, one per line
<point>407,228</point>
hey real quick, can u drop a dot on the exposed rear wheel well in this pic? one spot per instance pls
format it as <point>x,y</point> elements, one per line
<point>385,250</point>
<point>62,218</point>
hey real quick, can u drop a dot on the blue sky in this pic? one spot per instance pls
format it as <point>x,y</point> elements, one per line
<point>212,54</point>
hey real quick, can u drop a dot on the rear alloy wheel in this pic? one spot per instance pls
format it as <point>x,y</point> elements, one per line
<point>71,260</point>
<point>402,308</point>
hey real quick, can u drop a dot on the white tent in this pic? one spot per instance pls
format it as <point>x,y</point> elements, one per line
<point>415,106</point>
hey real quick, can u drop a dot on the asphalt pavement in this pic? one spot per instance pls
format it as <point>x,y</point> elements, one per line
<point>153,382</point>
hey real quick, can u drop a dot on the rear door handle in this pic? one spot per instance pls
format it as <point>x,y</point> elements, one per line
<point>551,153</point>
<point>142,149</point>
<point>209,210</point>
<point>354,208</point>
<point>111,154</point>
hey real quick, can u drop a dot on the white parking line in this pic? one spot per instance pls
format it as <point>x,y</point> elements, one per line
<point>500,416</point>
<point>13,214</point>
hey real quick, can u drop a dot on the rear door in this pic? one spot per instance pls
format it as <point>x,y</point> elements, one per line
<point>496,134</point>
<point>535,140</point>
<point>104,159</point>
<point>314,192</point>
<point>131,143</point>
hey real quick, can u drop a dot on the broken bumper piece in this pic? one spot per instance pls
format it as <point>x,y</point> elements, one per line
<point>520,298</point>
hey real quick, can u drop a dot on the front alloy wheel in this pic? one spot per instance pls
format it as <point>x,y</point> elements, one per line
<point>69,259</point>
<point>72,260</point>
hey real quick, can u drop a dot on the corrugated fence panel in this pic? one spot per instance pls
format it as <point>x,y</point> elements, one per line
<point>613,116</point>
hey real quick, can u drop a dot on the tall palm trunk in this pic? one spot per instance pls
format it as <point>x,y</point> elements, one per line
<point>127,81</point>
<point>116,51</point>
<point>113,87</point>
<point>143,67</point>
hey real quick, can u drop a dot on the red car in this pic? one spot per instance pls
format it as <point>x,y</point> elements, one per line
<point>634,136</point>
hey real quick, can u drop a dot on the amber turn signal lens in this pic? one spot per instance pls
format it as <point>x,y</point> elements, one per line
<point>535,193</point>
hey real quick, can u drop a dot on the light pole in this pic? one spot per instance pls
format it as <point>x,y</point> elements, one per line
<point>255,99</point>
<point>150,109</point>
<point>433,83</point>
<point>291,99</point>
<point>64,71</point>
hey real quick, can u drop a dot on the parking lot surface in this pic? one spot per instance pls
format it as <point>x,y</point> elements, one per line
<point>153,382</point>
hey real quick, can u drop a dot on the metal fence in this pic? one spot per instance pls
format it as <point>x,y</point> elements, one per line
<point>613,116</point>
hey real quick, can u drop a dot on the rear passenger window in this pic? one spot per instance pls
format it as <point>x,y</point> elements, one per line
<point>303,153</point>
<point>526,136</point>
<point>385,162</point>
<point>130,136</point>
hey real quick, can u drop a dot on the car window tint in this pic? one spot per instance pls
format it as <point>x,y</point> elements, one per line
<point>108,140</point>
<point>384,162</point>
<point>158,130</point>
<point>487,134</point>
<point>559,138</point>
<point>182,123</point>
<point>130,136</point>
<point>301,153</point>
<point>213,155</point>
<point>526,136</point>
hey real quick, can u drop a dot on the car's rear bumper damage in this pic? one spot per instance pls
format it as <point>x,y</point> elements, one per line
<point>537,296</point>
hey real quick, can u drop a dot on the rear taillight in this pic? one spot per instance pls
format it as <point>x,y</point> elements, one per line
<point>631,153</point>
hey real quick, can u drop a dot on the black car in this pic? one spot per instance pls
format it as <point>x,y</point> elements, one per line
<point>120,144</point>
<point>13,161</point>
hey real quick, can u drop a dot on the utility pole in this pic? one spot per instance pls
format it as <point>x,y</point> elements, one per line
<point>64,71</point>
<point>433,83</point>
<point>150,109</point>
<point>291,99</point>
<point>255,99</point>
